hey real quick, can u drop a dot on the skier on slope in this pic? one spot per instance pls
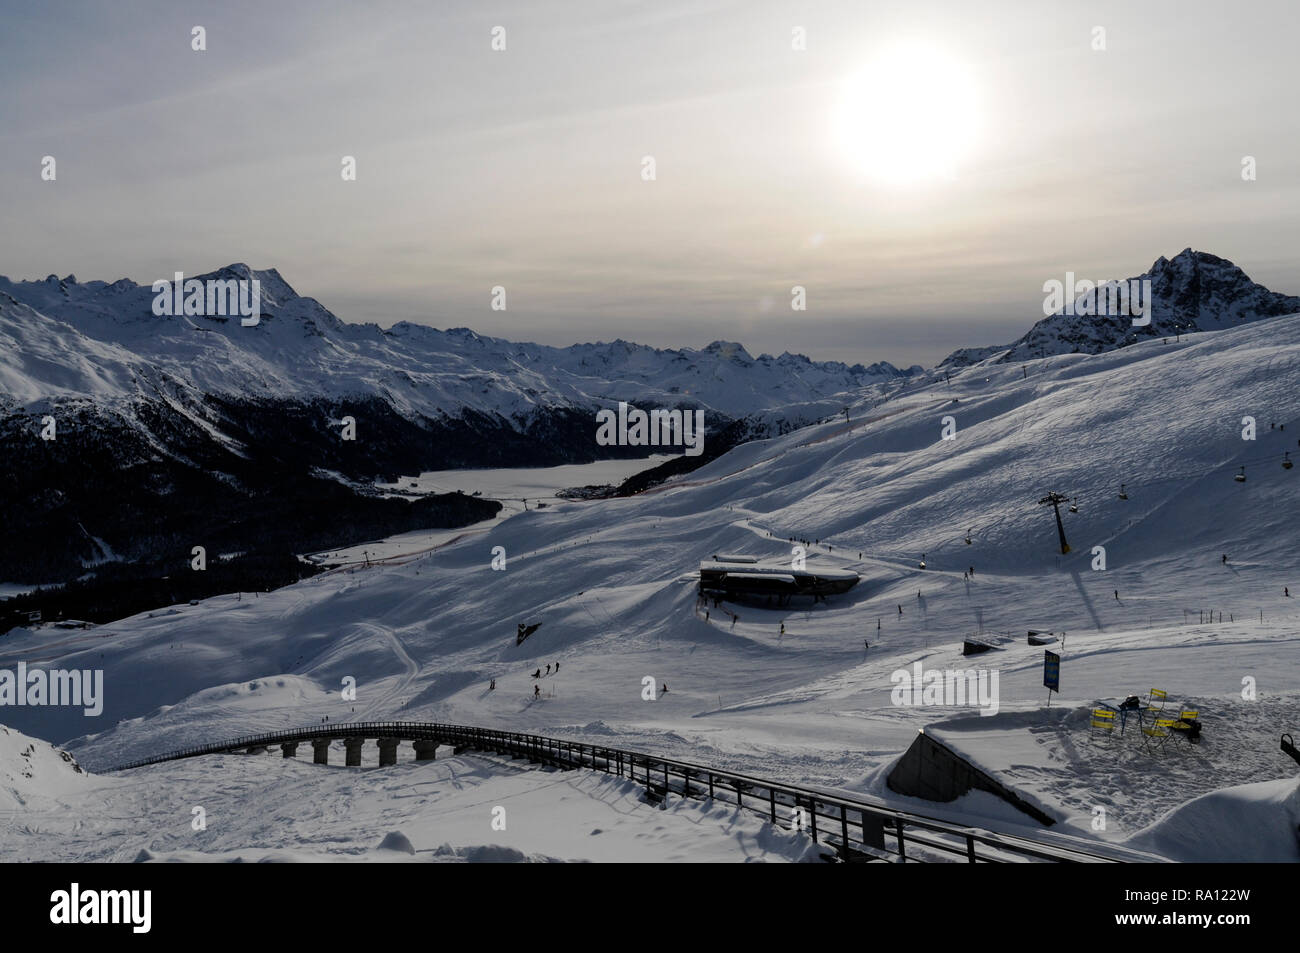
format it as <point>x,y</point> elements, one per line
<point>538,673</point>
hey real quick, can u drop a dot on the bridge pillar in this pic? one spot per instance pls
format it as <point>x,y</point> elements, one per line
<point>289,749</point>
<point>426,750</point>
<point>320,750</point>
<point>388,751</point>
<point>353,747</point>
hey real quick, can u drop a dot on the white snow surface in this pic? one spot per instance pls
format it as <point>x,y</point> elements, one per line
<point>432,812</point>
<point>613,585</point>
<point>34,774</point>
<point>62,339</point>
<point>1248,823</point>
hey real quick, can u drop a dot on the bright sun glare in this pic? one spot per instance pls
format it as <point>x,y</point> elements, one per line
<point>909,117</point>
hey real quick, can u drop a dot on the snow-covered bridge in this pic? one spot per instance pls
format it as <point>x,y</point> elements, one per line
<point>856,830</point>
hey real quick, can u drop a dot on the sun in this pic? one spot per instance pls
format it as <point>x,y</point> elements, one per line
<point>909,117</point>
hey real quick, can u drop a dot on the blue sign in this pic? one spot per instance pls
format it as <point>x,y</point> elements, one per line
<point>1052,670</point>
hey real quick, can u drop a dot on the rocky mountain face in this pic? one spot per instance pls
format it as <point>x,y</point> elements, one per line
<point>1194,291</point>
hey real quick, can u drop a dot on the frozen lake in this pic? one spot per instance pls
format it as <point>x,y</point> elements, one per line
<point>527,483</point>
<point>511,486</point>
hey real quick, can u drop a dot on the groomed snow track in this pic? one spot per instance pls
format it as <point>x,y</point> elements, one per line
<point>856,830</point>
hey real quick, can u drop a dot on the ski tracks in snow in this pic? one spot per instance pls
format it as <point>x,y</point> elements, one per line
<point>390,695</point>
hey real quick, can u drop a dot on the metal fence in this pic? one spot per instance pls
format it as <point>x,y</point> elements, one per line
<point>856,831</point>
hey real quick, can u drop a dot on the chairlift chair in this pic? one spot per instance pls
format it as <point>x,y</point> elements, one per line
<point>1286,460</point>
<point>923,560</point>
<point>1241,477</point>
<point>1074,507</point>
<point>1122,494</point>
<point>967,537</point>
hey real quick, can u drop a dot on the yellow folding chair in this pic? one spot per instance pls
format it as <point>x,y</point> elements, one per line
<point>1103,720</point>
<point>1188,724</point>
<point>1158,733</point>
<point>1155,704</point>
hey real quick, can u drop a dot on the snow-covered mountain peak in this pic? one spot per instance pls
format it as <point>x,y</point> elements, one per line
<point>1193,291</point>
<point>274,289</point>
<point>112,346</point>
<point>729,351</point>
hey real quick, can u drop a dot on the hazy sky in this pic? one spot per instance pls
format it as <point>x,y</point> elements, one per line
<point>523,167</point>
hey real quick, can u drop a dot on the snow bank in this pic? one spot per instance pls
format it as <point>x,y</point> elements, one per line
<point>1253,822</point>
<point>33,769</point>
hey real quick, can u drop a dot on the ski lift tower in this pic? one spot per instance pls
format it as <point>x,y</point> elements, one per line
<point>1056,499</point>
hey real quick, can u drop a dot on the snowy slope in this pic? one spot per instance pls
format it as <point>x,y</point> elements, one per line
<point>217,417</point>
<point>612,584</point>
<point>1247,823</point>
<point>439,812</point>
<point>301,351</point>
<point>34,774</point>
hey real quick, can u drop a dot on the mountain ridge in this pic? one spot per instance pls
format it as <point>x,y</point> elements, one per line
<point>234,428</point>
<point>301,349</point>
<point>1193,291</point>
